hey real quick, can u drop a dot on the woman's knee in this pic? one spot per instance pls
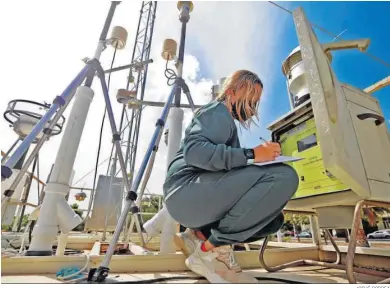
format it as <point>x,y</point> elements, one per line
<point>287,177</point>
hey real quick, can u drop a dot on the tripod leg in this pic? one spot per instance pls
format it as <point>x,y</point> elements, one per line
<point>116,140</point>
<point>102,271</point>
<point>146,178</point>
<point>186,91</point>
<point>149,226</point>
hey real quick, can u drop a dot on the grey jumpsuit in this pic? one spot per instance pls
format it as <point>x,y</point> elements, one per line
<point>209,185</point>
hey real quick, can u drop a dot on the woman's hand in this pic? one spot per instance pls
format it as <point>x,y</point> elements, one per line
<point>266,152</point>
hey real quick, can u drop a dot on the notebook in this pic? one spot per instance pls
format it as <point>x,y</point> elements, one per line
<point>280,159</point>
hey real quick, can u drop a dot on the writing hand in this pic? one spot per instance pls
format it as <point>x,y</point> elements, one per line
<point>266,152</point>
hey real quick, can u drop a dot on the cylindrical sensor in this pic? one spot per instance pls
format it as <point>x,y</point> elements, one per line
<point>118,37</point>
<point>169,49</point>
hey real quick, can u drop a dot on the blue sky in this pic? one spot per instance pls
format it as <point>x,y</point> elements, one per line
<point>361,19</point>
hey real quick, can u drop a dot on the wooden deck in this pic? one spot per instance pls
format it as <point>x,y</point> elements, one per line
<point>314,275</point>
<point>170,268</point>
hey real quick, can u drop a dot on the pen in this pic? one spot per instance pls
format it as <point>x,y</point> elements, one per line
<point>265,141</point>
<point>262,139</point>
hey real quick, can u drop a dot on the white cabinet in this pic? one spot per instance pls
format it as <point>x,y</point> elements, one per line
<point>372,136</point>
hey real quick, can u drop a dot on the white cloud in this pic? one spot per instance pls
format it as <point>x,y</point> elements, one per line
<point>45,47</point>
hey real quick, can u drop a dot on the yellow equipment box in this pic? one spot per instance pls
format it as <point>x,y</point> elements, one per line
<point>301,141</point>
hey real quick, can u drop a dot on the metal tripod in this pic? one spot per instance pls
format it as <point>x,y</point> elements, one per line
<point>93,66</point>
<point>100,274</point>
<point>149,168</point>
<point>56,110</point>
<point>184,7</point>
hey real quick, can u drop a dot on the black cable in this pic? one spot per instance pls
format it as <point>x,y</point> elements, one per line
<point>102,125</point>
<point>30,230</point>
<point>163,279</point>
<point>170,74</point>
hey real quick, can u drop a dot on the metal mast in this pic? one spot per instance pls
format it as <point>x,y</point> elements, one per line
<point>130,124</point>
<point>136,82</point>
<point>141,53</point>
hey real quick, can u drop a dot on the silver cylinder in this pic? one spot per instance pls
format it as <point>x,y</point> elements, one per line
<point>294,70</point>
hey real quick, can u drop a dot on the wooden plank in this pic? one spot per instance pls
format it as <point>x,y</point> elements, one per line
<point>143,263</point>
<point>372,251</point>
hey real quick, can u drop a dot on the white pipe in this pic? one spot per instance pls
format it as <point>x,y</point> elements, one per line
<point>175,126</point>
<point>154,226</point>
<point>99,50</point>
<point>66,155</point>
<point>55,210</point>
<point>175,122</point>
<point>279,235</point>
<point>66,216</point>
<point>167,245</point>
<point>62,241</point>
<point>162,222</point>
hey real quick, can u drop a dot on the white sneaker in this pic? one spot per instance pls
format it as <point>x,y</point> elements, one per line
<point>207,265</point>
<point>186,242</point>
<point>235,273</point>
<point>226,256</point>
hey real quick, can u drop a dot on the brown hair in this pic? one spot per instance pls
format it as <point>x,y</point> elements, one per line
<point>247,80</point>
